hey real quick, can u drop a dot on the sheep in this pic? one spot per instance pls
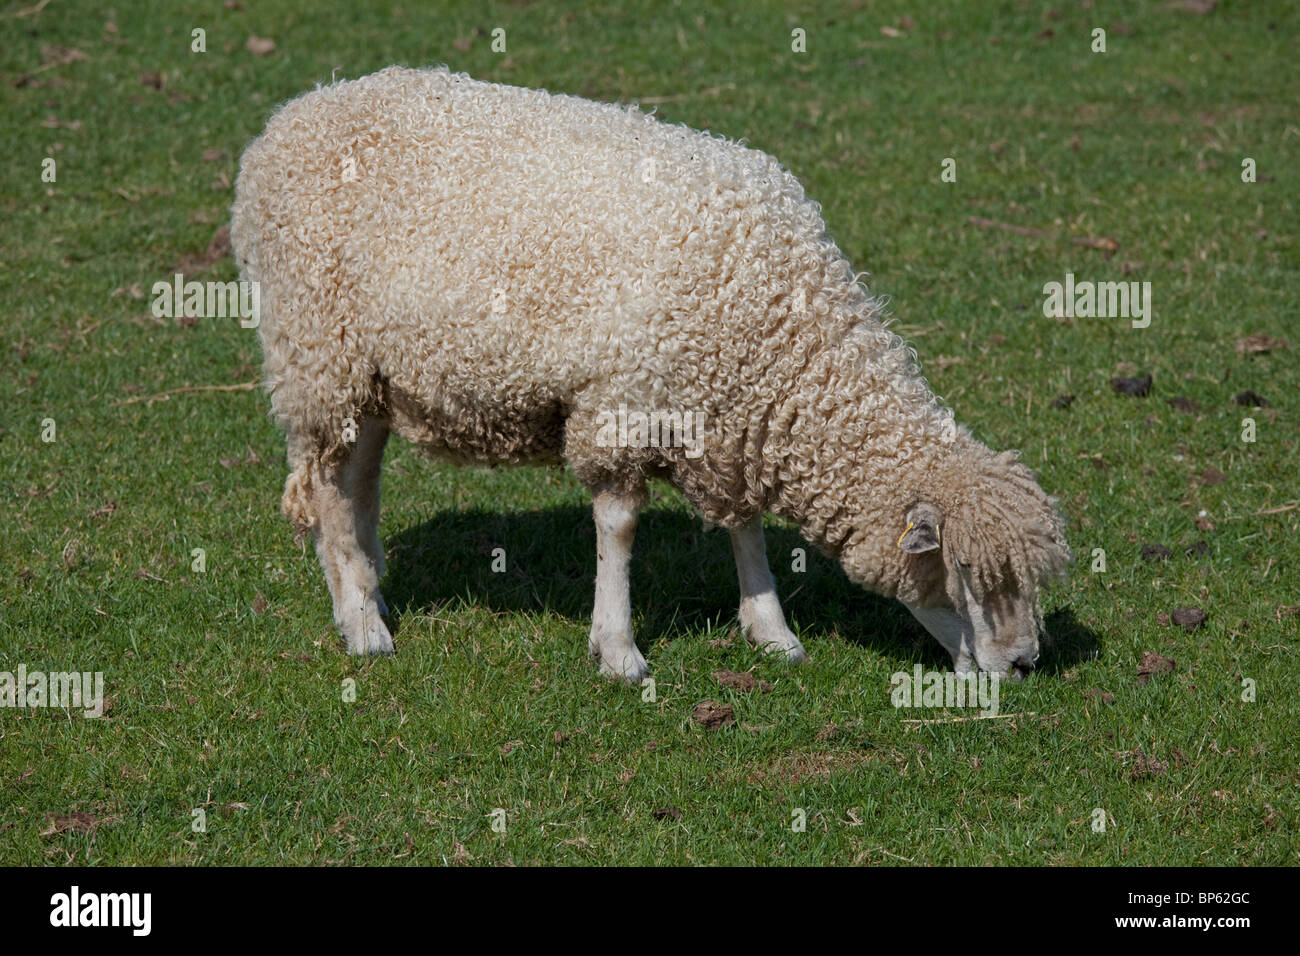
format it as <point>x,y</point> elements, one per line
<point>493,272</point>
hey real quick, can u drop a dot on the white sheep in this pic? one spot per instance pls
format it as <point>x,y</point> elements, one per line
<point>504,275</point>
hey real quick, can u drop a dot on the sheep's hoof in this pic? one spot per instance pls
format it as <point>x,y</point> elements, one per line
<point>787,646</point>
<point>796,654</point>
<point>627,666</point>
<point>366,633</point>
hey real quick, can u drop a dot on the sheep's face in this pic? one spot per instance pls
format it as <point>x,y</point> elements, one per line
<point>998,632</point>
<point>999,636</point>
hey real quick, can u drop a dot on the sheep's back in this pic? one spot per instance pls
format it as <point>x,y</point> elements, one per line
<point>508,248</point>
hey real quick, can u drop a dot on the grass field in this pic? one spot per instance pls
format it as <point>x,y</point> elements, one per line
<point>225,687</point>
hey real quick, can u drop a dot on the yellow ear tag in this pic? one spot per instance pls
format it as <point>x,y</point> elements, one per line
<point>904,534</point>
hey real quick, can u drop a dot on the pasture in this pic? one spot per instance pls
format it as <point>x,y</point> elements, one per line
<point>489,738</point>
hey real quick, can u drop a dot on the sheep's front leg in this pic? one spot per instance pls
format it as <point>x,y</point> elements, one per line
<point>611,619</point>
<point>344,501</point>
<point>760,610</point>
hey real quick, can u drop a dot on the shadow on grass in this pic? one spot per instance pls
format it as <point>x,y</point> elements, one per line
<point>1069,641</point>
<point>683,580</point>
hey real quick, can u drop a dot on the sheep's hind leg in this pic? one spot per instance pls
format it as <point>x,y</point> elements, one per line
<point>760,610</point>
<point>362,473</point>
<point>611,618</point>
<point>343,501</point>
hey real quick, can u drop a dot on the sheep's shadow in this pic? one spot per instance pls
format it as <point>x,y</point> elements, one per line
<point>683,579</point>
<point>1069,642</point>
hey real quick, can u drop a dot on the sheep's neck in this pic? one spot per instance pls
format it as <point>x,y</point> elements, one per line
<point>849,450</point>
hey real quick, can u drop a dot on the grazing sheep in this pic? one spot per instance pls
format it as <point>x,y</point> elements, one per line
<point>498,274</point>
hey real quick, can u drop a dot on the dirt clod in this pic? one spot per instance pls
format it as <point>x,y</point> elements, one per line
<point>1188,618</point>
<point>1251,399</point>
<point>1259,342</point>
<point>1153,663</point>
<point>217,250</point>
<point>1145,765</point>
<point>1135,387</point>
<point>1156,552</point>
<point>711,715</point>
<point>668,813</point>
<point>744,682</point>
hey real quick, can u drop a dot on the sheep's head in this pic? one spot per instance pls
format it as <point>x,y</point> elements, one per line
<point>976,566</point>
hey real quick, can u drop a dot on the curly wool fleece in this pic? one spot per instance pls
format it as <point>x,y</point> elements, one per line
<point>492,271</point>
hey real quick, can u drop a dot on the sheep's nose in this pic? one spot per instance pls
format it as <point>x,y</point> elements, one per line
<point>1021,667</point>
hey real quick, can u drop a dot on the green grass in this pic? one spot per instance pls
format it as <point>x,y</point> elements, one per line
<point>226,685</point>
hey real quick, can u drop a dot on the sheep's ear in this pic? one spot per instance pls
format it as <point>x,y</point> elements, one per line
<point>922,532</point>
